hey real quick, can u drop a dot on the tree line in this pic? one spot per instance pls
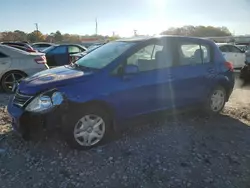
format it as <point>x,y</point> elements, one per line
<point>57,37</point>
<point>199,31</point>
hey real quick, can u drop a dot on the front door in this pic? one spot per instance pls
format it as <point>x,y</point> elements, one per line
<point>150,89</point>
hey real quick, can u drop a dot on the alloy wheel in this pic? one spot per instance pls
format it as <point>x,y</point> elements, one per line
<point>10,80</point>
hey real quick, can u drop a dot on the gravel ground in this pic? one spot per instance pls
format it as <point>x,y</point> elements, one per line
<point>181,151</point>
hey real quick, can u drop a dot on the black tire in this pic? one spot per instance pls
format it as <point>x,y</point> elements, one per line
<point>72,119</point>
<point>209,109</point>
<point>4,86</point>
<point>245,74</point>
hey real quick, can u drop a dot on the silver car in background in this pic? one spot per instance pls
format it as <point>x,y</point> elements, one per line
<point>17,64</point>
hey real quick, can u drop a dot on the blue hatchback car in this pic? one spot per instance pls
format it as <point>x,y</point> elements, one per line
<point>89,99</point>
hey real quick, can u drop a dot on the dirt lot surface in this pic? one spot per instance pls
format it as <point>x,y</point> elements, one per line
<point>181,151</point>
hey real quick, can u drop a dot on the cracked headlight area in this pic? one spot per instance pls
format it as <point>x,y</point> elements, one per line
<point>44,102</point>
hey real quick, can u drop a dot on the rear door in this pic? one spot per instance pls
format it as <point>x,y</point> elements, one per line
<point>58,56</point>
<point>193,65</point>
<point>5,62</point>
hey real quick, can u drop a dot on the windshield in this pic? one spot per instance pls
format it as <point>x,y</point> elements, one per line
<point>104,55</point>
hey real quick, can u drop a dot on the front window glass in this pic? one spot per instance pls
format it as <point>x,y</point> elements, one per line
<point>74,49</point>
<point>150,57</point>
<point>104,55</point>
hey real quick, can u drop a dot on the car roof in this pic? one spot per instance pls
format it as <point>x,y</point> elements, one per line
<point>145,38</point>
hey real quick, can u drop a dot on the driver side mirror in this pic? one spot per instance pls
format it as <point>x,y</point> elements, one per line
<point>130,69</point>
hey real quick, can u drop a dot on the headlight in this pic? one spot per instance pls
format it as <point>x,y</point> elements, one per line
<point>44,102</point>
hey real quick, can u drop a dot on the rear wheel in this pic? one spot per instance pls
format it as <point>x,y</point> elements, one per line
<point>10,79</point>
<point>216,100</point>
<point>87,129</point>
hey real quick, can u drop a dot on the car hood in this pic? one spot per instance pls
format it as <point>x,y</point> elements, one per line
<point>52,78</point>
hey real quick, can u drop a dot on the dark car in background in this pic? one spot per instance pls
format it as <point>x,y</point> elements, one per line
<point>77,56</point>
<point>40,46</point>
<point>58,55</point>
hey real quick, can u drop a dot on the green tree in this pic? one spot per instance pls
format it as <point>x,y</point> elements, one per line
<point>19,35</point>
<point>58,36</point>
<point>35,36</point>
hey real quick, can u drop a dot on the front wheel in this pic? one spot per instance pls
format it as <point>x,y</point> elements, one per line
<point>216,101</point>
<point>87,129</point>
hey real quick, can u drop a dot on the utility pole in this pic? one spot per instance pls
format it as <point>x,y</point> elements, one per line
<point>96,26</point>
<point>36,24</point>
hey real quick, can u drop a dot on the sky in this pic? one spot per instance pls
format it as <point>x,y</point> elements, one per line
<point>122,16</point>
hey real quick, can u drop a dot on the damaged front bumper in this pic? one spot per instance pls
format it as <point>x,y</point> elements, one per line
<point>24,122</point>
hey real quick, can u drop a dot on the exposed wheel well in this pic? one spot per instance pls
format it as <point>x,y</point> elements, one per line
<point>96,103</point>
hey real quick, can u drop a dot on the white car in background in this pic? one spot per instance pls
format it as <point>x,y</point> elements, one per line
<point>17,64</point>
<point>233,54</point>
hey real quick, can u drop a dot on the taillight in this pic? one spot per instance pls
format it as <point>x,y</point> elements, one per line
<point>41,60</point>
<point>229,65</point>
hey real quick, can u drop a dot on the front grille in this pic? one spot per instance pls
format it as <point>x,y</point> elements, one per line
<point>21,99</point>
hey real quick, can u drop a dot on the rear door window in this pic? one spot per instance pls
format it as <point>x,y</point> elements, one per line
<point>234,49</point>
<point>193,53</point>
<point>224,49</point>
